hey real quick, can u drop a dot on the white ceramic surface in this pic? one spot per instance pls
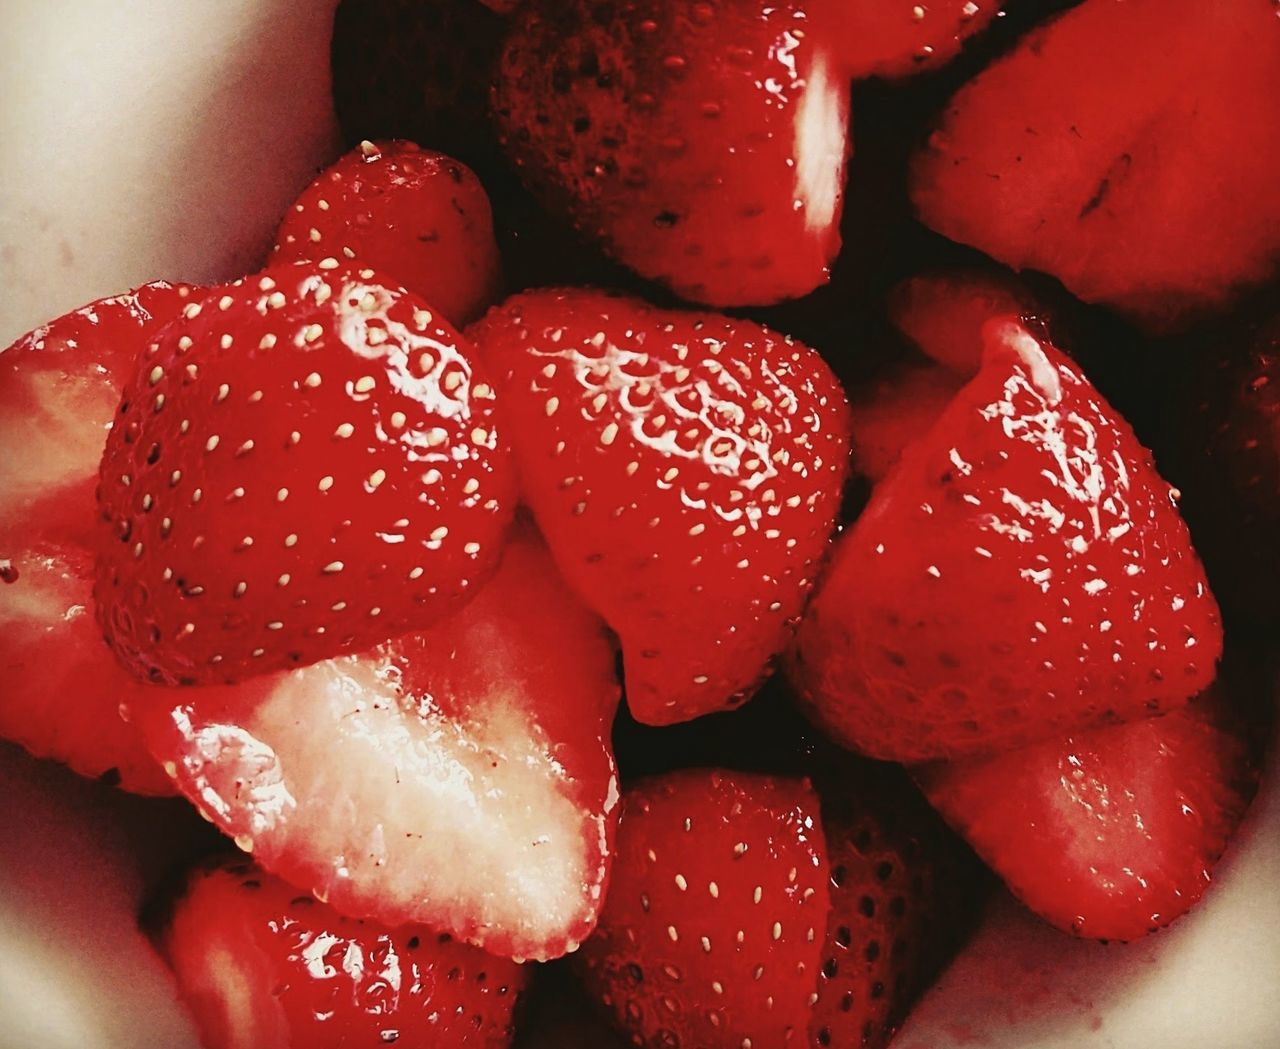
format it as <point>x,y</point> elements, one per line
<point>147,138</point>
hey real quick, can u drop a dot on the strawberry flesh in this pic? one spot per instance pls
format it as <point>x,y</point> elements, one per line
<point>305,463</point>
<point>259,964</point>
<point>686,469</point>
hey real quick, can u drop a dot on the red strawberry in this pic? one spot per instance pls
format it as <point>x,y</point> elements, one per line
<point>891,412</point>
<point>942,314</point>
<point>711,935</point>
<point>1022,572</point>
<point>894,38</point>
<point>461,777</point>
<point>414,215</point>
<point>261,965</point>
<point>1109,834</point>
<point>59,386</point>
<point>1095,152</point>
<point>686,469</point>
<point>703,146</point>
<point>304,464</point>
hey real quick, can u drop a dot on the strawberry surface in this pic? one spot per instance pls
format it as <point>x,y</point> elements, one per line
<point>304,464</point>
<point>411,214</point>
<point>260,964</point>
<point>894,38</point>
<point>460,777</point>
<point>1112,833</point>
<point>1095,152</point>
<point>702,145</point>
<point>711,934</point>
<point>686,469</point>
<point>59,385</point>
<point>1021,572</point>
<point>895,409</point>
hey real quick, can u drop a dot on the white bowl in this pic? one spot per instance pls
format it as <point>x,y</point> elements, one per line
<point>164,138</point>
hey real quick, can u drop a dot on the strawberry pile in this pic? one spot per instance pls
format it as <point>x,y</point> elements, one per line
<point>717,629</point>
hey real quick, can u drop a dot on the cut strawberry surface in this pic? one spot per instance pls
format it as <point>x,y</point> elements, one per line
<point>1094,152</point>
<point>1021,573</point>
<point>894,38</point>
<point>711,934</point>
<point>686,470</point>
<point>305,464</point>
<point>260,964</point>
<point>703,146</point>
<point>59,386</point>
<point>411,214</point>
<point>460,777</point>
<point>1108,834</point>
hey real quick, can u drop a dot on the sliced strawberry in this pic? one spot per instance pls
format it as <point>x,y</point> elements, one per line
<point>942,314</point>
<point>304,464</point>
<point>711,934</point>
<point>895,409</point>
<point>1095,152</point>
<point>1021,573</point>
<point>894,38</point>
<point>411,214</point>
<point>704,147</point>
<point>260,964</point>
<point>686,469</point>
<point>1108,834</point>
<point>59,386</point>
<point>460,777</point>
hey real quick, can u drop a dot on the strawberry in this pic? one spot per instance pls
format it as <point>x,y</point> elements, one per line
<point>460,777</point>
<point>711,934</point>
<point>894,38</point>
<point>703,147</point>
<point>259,964</point>
<point>1022,572</point>
<point>1111,833</point>
<point>59,386</point>
<point>305,463</point>
<point>411,214</point>
<point>686,470</point>
<point>889,413</point>
<point>1094,152</point>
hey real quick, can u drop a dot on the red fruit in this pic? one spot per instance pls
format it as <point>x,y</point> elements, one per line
<point>1108,834</point>
<point>942,314</point>
<point>891,412</point>
<point>711,932</point>
<point>686,469</point>
<point>894,38</point>
<point>703,146</point>
<point>304,464</point>
<point>260,964</point>
<point>1021,573</point>
<point>460,777</point>
<point>59,386</point>
<point>1095,152</point>
<point>411,214</point>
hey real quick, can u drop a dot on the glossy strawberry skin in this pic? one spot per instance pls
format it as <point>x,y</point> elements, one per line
<point>1094,152</point>
<point>304,464</point>
<point>1109,834</point>
<point>461,777</point>
<point>59,385</point>
<point>686,470</point>
<point>1022,572</point>
<point>711,931</point>
<point>417,216</point>
<point>895,38</point>
<point>260,964</point>
<point>703,146</point>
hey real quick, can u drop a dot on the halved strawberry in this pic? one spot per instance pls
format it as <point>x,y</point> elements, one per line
<point>894,38</point>
<point>261,965</point>
<point>686,469</point>
<point>1022,572</point>
<point>703,146</point>
<point>893,410</point>
<point>1108,834</point>
<point>712,932</point>
<point>460,777</point>
<point>411,214</point>
<point>305,463</point>
<point>59,386</point>
<point>1095,152</point>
